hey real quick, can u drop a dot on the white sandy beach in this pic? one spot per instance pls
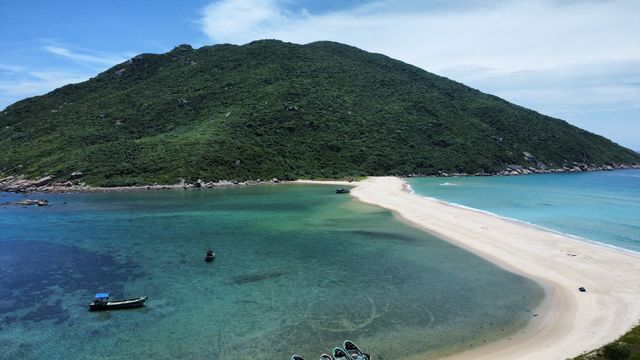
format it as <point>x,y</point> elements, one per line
<point>569,322</point>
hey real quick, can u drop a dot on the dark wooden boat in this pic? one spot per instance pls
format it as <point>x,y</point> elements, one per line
<point>341,354</point>
<point>296,357</point>
<point>355,352</point>
<point>102,302</point>
<point>342,191</point>
<point>210,256</point>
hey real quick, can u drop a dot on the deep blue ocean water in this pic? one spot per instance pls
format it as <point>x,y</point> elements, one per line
<point>298,269</point>
<point>599,206</point>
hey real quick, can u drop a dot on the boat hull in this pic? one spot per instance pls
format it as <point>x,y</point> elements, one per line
<point>118,304</point>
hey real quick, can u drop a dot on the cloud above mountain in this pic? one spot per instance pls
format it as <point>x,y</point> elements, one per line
<point>577,60</point>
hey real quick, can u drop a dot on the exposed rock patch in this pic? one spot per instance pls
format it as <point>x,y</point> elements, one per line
<point>29,202</point>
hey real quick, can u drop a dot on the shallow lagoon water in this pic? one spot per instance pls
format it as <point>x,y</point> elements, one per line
<point>298,269</point>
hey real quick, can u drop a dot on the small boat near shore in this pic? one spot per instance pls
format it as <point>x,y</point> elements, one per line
<point>354,351</point>
<point>341,354</point>
<point>102,302</point>
<point>349,351</point>
<point>342,191</point>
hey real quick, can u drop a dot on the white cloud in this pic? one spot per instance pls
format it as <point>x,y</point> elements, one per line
<point>241,18</point>
<point>23,82</point>
<point>510,36</point>
<point>38,83</point>
<point>94,59</point>
<point>20,81</point>
<point>541,54</point>
<point>11,68</point>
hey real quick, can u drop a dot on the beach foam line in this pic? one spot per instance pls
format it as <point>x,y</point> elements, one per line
<point>410,189</point>
<point>569,322</point>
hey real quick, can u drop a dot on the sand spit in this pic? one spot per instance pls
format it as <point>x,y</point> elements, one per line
<point>569,322</point>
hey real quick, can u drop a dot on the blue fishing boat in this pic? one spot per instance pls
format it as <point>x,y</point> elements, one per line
<point>102,302</point>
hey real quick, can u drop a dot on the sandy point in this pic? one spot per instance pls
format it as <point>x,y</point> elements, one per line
<point>569,322</point>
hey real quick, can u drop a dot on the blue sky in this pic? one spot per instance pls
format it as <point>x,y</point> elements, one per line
<point>575,60</point>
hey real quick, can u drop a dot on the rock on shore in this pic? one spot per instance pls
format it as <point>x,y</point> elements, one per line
<point>19,184</point>
<point>512,170</point>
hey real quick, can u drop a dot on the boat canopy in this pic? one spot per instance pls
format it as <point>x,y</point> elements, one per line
<point>102,295</point>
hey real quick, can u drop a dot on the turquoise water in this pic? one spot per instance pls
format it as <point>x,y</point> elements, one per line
<point>599,206</point>
<point>298,269</point>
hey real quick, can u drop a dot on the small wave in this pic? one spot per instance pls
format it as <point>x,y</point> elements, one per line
<point>448,184</point>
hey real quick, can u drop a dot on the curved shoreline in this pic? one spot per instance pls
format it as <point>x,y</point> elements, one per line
<point>569,322</point>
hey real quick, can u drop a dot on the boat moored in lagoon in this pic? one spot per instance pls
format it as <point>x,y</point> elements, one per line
<point>102,302</point>
<point>210,256</point>
<point>341,354</point>
<point>354,351</point>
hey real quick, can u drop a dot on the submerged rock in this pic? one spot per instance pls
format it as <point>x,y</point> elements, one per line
<point>29,202</point>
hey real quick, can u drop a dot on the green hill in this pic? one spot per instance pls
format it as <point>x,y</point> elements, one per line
<point>274,109</point>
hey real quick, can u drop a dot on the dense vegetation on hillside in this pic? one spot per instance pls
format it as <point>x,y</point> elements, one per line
<point>273,109</point>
